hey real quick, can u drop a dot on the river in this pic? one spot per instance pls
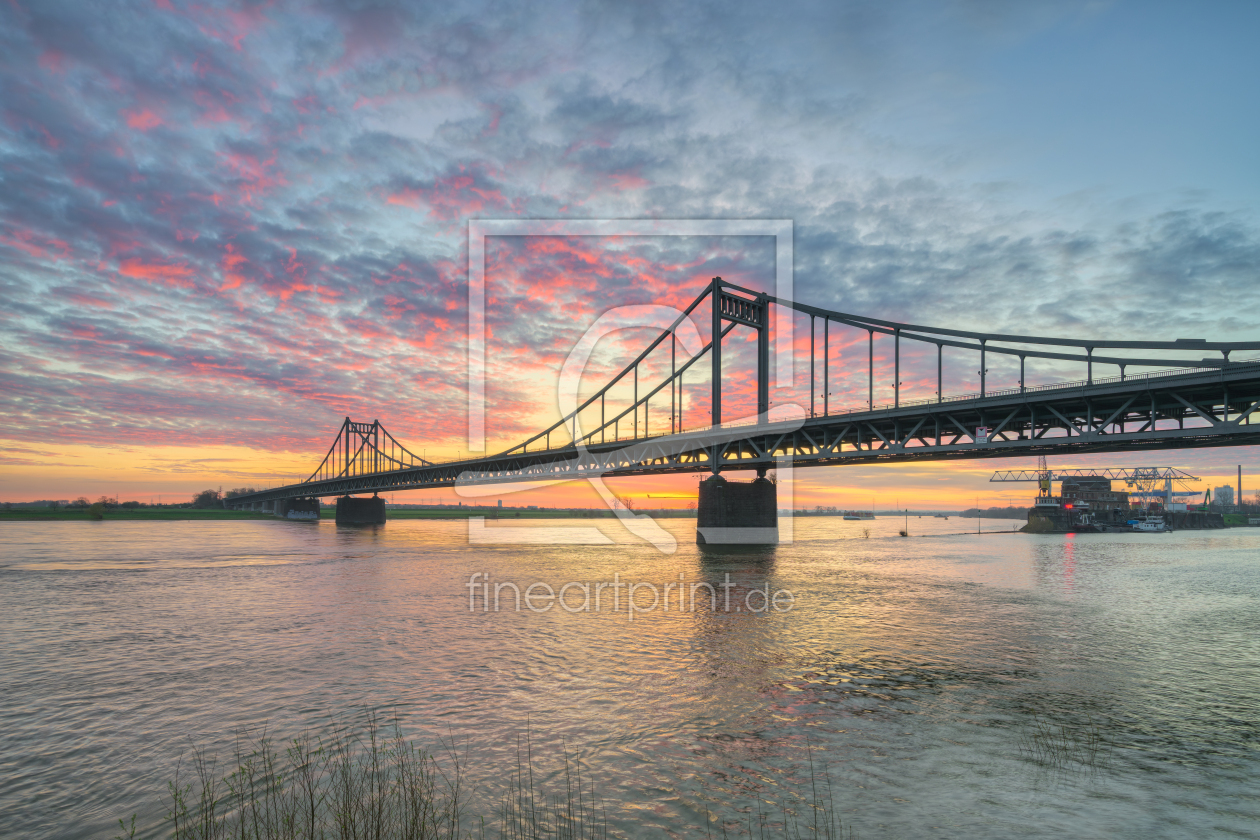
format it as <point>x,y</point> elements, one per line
<point>951,684</point>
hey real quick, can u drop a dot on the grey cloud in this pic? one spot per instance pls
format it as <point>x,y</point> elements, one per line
<point>721,113</point>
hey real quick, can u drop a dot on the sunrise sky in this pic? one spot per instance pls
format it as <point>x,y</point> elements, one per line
<point>224,227</point>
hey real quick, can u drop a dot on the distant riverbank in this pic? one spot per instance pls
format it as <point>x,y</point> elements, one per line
<point>147,514</point>
<point>203,514</point>
<point>199,514</point>
<point>514,513</point>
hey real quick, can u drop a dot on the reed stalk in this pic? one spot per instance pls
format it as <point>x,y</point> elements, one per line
<point>368,782</point>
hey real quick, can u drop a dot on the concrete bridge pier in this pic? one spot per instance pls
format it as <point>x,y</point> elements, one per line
<point>737,512</point>
<point>298,508</point>
<point>358,511</point>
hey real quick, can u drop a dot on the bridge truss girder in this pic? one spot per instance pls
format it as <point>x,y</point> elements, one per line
<point>1209,408</point>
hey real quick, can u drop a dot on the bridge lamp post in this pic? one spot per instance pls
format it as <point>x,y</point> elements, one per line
<point>940,391</point>
<point>812,380</point>
<point>983,369</point>
<point>897,368</point>
<point>870,370</point>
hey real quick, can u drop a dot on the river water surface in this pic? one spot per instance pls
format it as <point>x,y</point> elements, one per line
<point>952,685</point>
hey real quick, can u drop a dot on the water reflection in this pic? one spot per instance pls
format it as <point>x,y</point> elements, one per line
<point>1069,561</point>
<point>743,578</point>
<point>941,679</point>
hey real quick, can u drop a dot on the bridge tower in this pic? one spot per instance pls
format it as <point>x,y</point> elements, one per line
<point>738,512</point>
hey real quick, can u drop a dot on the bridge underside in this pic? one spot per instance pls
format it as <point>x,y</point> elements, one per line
<point>1212,408</point>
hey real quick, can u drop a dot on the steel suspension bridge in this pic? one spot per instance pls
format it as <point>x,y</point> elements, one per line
<point>1183,401</point>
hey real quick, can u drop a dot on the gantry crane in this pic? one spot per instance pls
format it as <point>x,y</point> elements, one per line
<point>1146,481</point>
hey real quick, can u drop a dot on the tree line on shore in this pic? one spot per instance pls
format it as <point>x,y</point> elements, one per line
<point>214,498</point>
<point>204,499</point>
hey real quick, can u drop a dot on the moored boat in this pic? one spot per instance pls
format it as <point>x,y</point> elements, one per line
<point>1148,524</point>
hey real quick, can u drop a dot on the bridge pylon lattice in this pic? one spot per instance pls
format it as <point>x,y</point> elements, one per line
<point>364,448</point>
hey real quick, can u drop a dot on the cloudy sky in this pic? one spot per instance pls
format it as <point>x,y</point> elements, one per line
<point>225,227</point>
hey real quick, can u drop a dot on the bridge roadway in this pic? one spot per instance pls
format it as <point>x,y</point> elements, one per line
<point>1162,410</point>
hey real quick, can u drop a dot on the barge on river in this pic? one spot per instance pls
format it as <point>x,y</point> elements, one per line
<point>1091,505</point>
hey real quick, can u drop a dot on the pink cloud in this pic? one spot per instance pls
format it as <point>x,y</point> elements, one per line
<point>628,181</point>
<point>84,299</point>
<point>177,274</point>
<point>259,175</point>
<point>232,278</point>
<point>53,61</point>
<point>34,245</point>
<point>142,119</point>
<point>451,197</point>
<point>230,26</point>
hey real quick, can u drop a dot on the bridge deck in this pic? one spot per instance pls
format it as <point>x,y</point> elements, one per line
<point>1205,407</point>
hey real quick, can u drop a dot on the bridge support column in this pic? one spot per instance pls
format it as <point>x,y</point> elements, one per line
<point>737,513</point>
<point>298,508</point>
<point>358,511</point>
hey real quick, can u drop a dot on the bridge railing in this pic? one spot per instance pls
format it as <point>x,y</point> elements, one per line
<point>1054,386</point>
<point>752,421</point>
<point>957,398</point>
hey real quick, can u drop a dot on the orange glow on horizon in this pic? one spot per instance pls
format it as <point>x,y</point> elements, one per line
<point>67,471</point>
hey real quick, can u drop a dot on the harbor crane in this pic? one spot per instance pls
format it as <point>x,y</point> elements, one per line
<point>1145,481</point>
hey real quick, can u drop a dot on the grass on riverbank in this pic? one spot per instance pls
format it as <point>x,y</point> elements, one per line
<point>150,514</point>
<point>371,782</point>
